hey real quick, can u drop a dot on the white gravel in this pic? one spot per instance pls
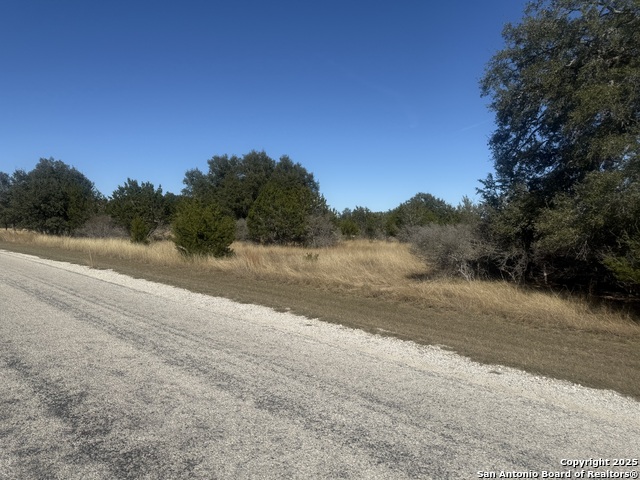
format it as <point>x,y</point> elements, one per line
<point>428,358</point>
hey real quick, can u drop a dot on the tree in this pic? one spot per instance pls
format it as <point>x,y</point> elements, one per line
<point>287,173</point>
<point>280,201</point>
<point>6,214</point>
<point>171,201</point>
<point>362,222</point>
<point>468,212</point>
<point>281,214</point>
<point>235,183</point>
<point>420,210</point>
<point>137,207</point>
<point>348,226</point>
<point>565,92</point>
<point>232,182</point>
<point>52,198</point>
<point>202,229</point>
<point>597,228</point>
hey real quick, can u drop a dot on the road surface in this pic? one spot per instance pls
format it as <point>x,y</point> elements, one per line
<point>106,376</point>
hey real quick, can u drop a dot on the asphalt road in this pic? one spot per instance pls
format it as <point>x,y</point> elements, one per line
<point>105,376</point>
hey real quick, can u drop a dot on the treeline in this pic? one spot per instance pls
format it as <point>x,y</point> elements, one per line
<point>254,198</point>
<point>562,209</point>
<point>266,201</point>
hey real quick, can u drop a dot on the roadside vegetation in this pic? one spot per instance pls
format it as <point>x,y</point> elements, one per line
<point>367,268</point>
<point>554,241</point>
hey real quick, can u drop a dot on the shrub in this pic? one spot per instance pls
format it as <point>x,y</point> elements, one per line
<point>53,198</point>
<point>451,250</point>
<point>626,268</point>
<point>138,207</point>
<point>140,230</point>
<point>281,215</point>
<point>349,228</point>
<point>321,231</point>
<point>101,226</point>
<point>202,229</point>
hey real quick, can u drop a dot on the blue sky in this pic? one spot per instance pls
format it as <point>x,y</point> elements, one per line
<point>379,99</point>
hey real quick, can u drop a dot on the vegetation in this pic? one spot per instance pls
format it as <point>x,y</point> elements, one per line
<point>202,229</point>
<point>560,210</point>
<point>422,209</point>
<point>233,182</point>
<point>280,214</point>
<point>381,287</point>
<point>139,208</point>
<point>277,202</point>
<point>365,268</point>
<point>52,198</point>
<point>564,202</point>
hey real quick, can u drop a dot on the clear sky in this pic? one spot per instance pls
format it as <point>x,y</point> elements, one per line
<point>379,99</point>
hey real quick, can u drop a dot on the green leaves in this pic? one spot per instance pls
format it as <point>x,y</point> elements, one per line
<point>276,199</point>
<point>139,208</point>
<point>565,90</point>
<point>202,229</point>
<point>281,214</point>
<point>234,183</point>
<point>52,198</point>
<point>565,93</point>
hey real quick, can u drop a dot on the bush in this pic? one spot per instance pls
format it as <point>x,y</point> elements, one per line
<point>451,250</point>
<point>626,268</point>
<point>53,198</point>
<point>321,231</point>
<point>202,229</point>
<point>139,208</point>
<point>348,228</point>
<point>140,230</point>
<point>101,226</point>
<point>281,215</point>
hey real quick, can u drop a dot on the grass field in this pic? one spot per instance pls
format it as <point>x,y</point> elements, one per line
<point>364,268</point>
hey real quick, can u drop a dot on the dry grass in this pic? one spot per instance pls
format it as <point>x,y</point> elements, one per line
<point>370,269</point>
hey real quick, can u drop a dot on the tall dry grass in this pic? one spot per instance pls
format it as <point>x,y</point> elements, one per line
<point>366,268</point>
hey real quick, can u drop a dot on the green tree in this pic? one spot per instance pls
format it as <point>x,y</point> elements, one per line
<point>280,201</point>
<point>281,214</point>
<point>288,173</point>
<point>202,229</point>
<point>171,201</point>
<point>233,182</point>
<point>139,208</point>
<point>567,107</point>
<point>468,212</point>
<point>420,210</point>
<point>597,229</point>
<point>348,226</point>
<point>6,214</point>
<point>370,224</point>
<point>52,198</point>
<point>565,93</point>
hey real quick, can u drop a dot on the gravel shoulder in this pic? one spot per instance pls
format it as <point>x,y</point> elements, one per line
<point>108,376</point>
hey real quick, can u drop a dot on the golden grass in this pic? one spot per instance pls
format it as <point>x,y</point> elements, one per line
<point>366,268</point>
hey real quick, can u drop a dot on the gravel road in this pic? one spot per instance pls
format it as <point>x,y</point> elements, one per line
<point>106,376</point>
